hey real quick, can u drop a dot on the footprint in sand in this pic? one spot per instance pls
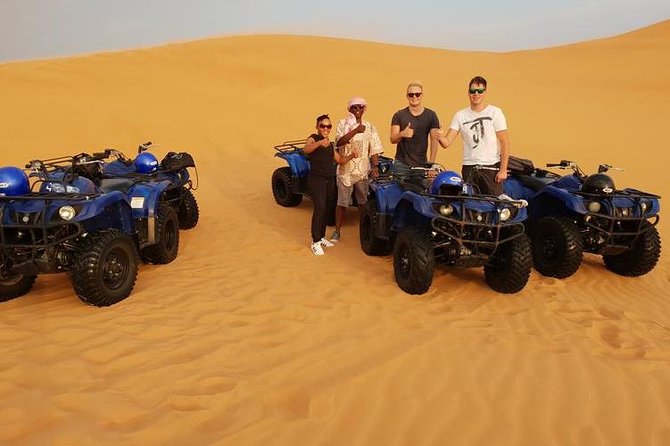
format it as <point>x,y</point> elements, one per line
<point>616,335</point>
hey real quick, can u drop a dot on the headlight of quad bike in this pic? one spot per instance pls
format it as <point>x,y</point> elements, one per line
<point>644,206</point>
<point>594,207</point>
<point>505,214</point>
<point>446,209</point>
<point>67,213</point>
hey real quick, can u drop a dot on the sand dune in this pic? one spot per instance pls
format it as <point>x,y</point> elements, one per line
<point>248,339</point>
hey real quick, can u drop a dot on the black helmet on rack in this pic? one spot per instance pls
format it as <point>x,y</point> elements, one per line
<point>598,183</point>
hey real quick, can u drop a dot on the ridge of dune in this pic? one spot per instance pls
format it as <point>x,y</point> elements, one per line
<point>653,31</point>
<point>246,338</point>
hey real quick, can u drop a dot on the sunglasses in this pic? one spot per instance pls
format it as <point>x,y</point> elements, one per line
<point>357,107</point>
<point>325,126</point>
<point>477,90</point>
<point>413,95</point>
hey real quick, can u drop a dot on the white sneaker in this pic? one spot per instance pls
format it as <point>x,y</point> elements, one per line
<point>317,249</point>
<point>326,243</point>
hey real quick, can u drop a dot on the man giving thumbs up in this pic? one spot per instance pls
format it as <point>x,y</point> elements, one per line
<point>410,130</point>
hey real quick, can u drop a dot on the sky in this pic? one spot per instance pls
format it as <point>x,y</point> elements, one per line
<point>36,29</point>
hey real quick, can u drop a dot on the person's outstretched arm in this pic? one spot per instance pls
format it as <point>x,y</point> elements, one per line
<point>446,140</point>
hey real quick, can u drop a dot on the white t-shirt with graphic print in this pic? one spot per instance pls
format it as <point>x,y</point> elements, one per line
<point>478,129</point>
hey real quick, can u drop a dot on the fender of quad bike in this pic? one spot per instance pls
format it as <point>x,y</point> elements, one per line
<point>297,161</point>
<point>94,213</point>
<point>107,211</point>
<point>551,200</point>
<point>653,200</point>
<point>515,189</point>
<point>144,197</point>
<point>386,195</point>
<point>412,210</point>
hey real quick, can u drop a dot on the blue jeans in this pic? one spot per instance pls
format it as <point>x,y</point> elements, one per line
<point>403,171</point>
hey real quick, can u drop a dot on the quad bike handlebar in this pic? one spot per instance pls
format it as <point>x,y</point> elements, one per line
<point>565,164</point>
<point>430,166</point>
<point>605,167</point>
<point>143,147</point>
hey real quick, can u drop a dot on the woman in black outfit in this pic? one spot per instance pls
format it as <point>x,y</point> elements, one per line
<point>321,180</point>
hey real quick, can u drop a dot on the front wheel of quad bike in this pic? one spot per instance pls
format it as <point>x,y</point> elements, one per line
<point>15,286</point>
<point>509,268</point>
<point>105,268</point>
<point>370,243</point>
<point>557,247</point>
<point>641,258</point>
<point>167,237</point>
<point>413,261</point>
<point>282,188</point>
<point>188,211</point>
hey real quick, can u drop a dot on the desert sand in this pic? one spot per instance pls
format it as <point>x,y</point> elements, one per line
<point>248,339</point>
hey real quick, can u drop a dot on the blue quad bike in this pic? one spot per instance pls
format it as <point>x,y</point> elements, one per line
<point>171,175</point>
<point>577,213</point>
<point>63,223</point>
<point>289,183</point>
<point>445,223</point>
<point>72,204</point>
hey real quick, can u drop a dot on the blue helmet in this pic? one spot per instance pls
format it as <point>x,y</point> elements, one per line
<point>13,182</point>
<point>447,183</point>
<point>146,163</point>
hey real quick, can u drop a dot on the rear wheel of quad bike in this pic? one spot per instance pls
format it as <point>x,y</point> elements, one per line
<point>557,247</point>
<point>15,286</point>
<point>282,188</point>
<point>370,243</point>
<point>105,268</point>
<point>641,258</point>
<point>167,237</point>
<point>188,211</point>
<point>413,261</point>
<point>509,268</point>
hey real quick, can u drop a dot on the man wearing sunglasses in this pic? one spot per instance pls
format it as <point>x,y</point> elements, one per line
<point>486,147</point>
<point>410,130</point>
<point>355,136</point>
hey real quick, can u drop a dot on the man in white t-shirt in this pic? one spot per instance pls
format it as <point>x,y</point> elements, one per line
<point>485,141</point>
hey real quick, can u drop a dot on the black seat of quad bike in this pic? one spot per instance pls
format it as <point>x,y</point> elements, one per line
<point>112,184</point>
<point>534,182</point>
<point>415,184</point>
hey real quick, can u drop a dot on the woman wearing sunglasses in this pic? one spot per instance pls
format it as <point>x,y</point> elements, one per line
<point>321,179</point>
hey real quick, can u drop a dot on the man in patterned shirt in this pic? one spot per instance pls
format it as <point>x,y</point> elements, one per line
<point>355,135</point>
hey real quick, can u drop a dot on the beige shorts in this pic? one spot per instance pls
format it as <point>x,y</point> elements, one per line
<point>344,193</point>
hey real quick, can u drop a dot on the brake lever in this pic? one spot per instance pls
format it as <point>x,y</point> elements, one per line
<point>605,167</point>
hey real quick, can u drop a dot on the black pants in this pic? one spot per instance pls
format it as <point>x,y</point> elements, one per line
<point>323,191</point>
<point>483,179</point>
